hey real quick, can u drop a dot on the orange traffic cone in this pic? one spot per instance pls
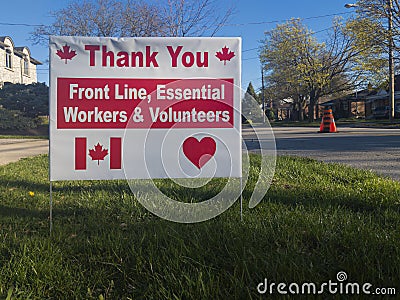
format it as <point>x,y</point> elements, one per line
<point>328,122</point>
<point>332,128</point>
<point>321,127</point>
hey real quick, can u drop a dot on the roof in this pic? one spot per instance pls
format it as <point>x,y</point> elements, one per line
<point>3,40</point>
<point>358,96</point>
<point>18,51</point>
<point>382,95</point>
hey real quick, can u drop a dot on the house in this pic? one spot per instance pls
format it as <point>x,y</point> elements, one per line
<point>363,103</point>
<point>354,105</point>
<point>382,98</point>
<point>16,63</point>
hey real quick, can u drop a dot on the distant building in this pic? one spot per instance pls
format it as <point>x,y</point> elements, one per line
<point>352,105</point>
<point>16,63</point>
<point>363,103</point>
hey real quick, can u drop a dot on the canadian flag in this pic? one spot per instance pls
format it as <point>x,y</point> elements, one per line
<point>98,153</point>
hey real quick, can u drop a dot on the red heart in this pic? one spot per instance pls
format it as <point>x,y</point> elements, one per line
<point>199,152</point>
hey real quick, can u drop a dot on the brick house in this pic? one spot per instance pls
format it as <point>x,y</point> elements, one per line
<point>16,63</point>
<point>363,102</point>
<point>352,105</point>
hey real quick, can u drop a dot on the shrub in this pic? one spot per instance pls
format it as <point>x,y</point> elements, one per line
<point>270,115</point>
<point>31,99</point>
<point>14,120</point>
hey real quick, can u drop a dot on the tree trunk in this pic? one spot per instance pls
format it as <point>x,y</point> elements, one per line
<point>301,113</point>
<point>311,112</point>
<point>311,106</point>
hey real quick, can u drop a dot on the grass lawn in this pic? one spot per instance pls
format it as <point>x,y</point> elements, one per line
<point>316,220</point>
<point>295,124</point>
<point>41,132</point>
<point>39,137</point>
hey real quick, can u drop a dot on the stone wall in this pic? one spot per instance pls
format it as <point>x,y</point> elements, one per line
<point>17,73</point>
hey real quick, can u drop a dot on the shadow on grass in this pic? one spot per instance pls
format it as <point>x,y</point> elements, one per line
<point>66,186</point>
<point>6,211</point>
<point>314,198</point>
<point>25,185</point>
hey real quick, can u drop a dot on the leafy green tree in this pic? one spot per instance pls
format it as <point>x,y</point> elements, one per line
<point>303,69</point>
<point>250,106</point>
<point>370,34</point>
<point>281,59</point>
<point>372,18</point>
<point>31,100</point>
<point>252,93</point>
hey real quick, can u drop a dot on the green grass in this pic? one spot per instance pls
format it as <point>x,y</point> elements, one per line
<point>316,220</point>
<point>295,124</point>
<point>9,136</point>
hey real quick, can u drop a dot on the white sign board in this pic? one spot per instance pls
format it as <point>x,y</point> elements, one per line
<point>141,108</point>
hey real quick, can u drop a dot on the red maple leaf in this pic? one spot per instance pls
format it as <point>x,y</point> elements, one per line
<point>98,153</point>
<point>66,53</point>
<point>225,54</point>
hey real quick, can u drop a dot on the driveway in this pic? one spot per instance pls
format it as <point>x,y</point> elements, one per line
<point>12,150</point>
<point>368,148</point>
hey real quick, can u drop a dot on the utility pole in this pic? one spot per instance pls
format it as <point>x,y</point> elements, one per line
<point>263,94</point>
<point>391,60</point>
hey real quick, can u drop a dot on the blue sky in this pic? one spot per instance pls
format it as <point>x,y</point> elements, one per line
<point>317,15</point>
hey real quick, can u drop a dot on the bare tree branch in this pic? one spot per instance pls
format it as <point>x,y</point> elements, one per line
<point>194,18</point>
<point>135,18</point>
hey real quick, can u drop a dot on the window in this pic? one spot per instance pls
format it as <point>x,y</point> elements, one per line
<point>26,67</point>
<point>8,59</point>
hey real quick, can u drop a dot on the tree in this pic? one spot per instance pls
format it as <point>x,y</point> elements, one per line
<point>302,68</point>
<point>194,18</point>
<point>134,19</point>
<point>375,14</point>
<point>288,57</point>
<point>142,19</point>
<point>251,92</point>
<point>250,106</point>
<point>102,18</point>
<point>371,32</point>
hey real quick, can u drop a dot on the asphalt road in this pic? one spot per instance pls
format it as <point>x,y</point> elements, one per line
<point>368,148</point>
